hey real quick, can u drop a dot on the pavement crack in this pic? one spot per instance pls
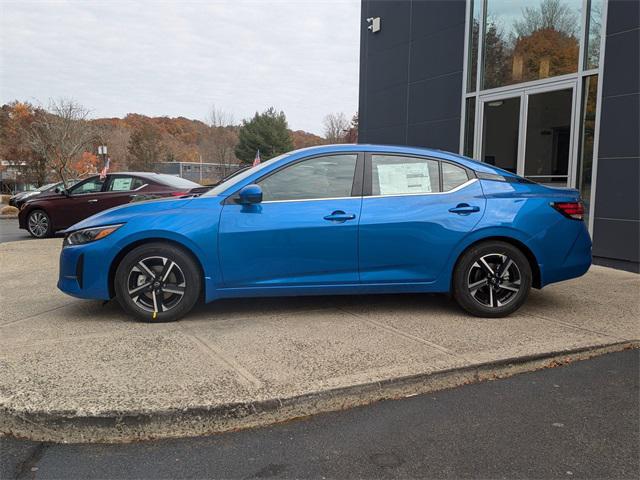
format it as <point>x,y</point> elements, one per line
<point>244,375</point>
<point>406,335</point>
<point>12,322</point>
<point>575,327</point>
<point>27,469</point>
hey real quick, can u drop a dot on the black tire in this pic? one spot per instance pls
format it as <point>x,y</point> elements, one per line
<point>39,224</point>
<point>492,279</point>
<point>158,282</point>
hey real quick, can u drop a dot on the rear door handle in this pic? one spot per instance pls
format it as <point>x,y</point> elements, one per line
<point>340,216</point>
<point>93,200</point>
<point>464,209</point>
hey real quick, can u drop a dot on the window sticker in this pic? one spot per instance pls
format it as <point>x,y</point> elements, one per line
<point>404,178</point>
<point>120,184</point>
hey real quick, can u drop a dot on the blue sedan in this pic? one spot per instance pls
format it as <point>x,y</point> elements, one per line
<point>339,219</point>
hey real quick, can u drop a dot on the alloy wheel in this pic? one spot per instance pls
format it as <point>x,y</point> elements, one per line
<point>156,284</point>
<point>38,224</point>
<point>494,280</point>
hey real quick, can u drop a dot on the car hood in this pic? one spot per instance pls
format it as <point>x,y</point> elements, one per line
<point>124,213</point>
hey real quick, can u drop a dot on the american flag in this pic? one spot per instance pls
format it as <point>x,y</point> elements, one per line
<point>256,161</point>
<point>105,169</point>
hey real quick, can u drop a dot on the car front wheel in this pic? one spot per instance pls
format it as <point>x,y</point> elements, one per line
<point>492,279</point>
<point>157,282</point>
<point>39,224</point>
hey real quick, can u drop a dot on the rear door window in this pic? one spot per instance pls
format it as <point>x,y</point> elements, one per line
<point>400,175</point>
<point>124,184</point>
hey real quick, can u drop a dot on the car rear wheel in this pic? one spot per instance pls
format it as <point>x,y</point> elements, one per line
<point>492,279</point>
<point>39,224</point>
<point>157,282</point>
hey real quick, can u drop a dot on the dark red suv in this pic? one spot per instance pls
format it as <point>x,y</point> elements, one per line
<point>49,213</point>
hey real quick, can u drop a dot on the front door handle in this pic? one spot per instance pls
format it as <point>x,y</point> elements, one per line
<point>93,200</point>
<point>464,209</point>
<point>340,216</point>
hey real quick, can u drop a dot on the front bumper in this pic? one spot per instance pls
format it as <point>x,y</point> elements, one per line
<point>84,271</point>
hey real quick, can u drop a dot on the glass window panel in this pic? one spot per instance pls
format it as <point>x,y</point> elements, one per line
<point>587,132</point>
<point>397,175</point>
<point>90,185</point>
<point>321,177</point>
<point>527,40</point>
<point>474,35</point>
<point>469,126</point>
<point>452,176</point>
<point>120,184</point>
<point>548,138</point>
<point>500,133</point>
<point>594,28</point>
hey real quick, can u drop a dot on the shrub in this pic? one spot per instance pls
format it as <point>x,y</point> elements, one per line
<point>4,198</point>
<point>8,210</point>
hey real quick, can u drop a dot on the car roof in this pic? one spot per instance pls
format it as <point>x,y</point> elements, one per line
<point>403,149</point>
<point>153,176</point>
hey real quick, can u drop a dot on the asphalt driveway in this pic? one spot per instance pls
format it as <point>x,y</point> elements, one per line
<point>9,231</point>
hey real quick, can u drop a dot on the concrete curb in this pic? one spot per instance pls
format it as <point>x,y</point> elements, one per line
<point>121,427</point>
<point>2,217</point>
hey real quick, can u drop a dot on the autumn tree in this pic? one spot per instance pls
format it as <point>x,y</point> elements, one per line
<point>61,134</point>
<point>15,121</point>
<point>217,117</point>
<point>222,140</point>
<point>87,163</point>
<point>267,132</point>
<point>352,132</point>
<point>336,127</point>
<point>145,148</point>
<point>548,15</point>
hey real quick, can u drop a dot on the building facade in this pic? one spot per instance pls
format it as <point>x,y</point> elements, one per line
<point>547,89</point>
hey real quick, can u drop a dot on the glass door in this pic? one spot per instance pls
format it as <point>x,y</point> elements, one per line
<point>548,136</point>
<point>500,141</point>
<point>529,132</point>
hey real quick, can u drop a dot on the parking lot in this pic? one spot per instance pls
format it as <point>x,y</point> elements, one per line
<point>77,370</point>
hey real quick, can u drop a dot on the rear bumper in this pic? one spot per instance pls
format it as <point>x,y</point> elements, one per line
<point>575,264</point>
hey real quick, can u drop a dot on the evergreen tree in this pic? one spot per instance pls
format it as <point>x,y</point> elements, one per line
<point>267,132</point>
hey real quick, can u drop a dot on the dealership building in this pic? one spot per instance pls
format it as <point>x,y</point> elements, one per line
<point>547,89</point>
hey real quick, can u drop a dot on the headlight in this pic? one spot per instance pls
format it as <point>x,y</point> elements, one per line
<point>87,235</point>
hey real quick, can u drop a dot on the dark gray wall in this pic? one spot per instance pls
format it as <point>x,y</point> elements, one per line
<point>411,73</point>
<point>616,231</point>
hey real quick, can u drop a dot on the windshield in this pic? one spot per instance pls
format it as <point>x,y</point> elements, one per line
<point>45,187</point>
<point>241,176</point>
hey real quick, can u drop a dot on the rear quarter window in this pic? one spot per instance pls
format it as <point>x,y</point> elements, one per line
<point>452,176</point>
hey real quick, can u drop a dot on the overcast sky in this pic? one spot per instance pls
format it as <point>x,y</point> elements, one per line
<point>177,58</point>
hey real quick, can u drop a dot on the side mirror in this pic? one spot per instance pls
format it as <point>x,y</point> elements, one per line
<point>250,194</point>
<point>62,191</point>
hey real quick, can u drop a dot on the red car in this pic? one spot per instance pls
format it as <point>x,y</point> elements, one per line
<point>49,213</point>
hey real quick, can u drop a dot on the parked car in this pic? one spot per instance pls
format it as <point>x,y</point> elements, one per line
<point>18,199</point>
<point>61,208</point>
<point>342,219</point>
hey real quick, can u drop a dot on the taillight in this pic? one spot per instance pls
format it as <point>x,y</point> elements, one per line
<point>573,210</point>
<point>178,194</point>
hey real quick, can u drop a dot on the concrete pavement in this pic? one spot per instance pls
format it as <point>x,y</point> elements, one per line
<point>77,371</point>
